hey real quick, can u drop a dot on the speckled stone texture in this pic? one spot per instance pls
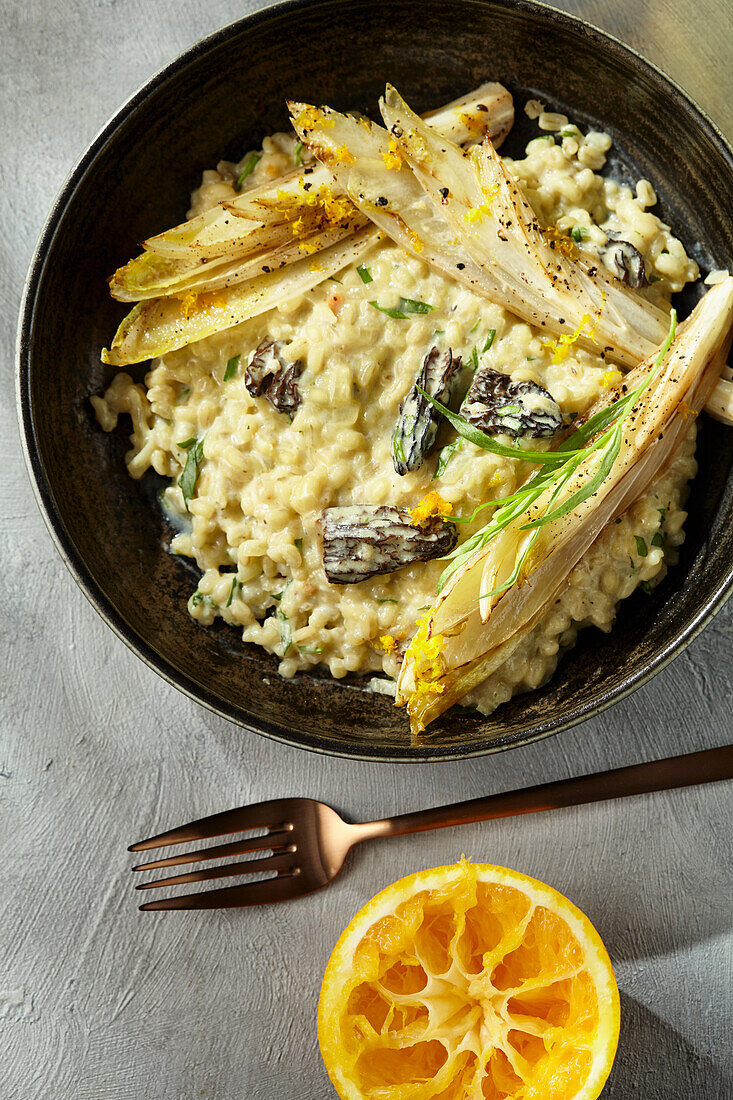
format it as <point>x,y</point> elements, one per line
<point>97,1000</point>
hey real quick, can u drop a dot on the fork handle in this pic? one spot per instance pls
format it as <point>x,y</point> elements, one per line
<point>687,770</point>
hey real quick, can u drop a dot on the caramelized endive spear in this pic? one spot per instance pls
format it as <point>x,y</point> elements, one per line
<point>459,211</point>
<point>503,589</point>
<point>246,255</point>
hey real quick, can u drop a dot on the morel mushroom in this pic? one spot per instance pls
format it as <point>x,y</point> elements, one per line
<point>417,426</point>
<point>495,404</point>
<point>363,540</point>
<point>624,261</point>
<point>269,375</point>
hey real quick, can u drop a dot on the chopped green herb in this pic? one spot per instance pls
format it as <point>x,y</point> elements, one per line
<point>509,410</point>
<point>658,540</point>
<point>199,598</point>
<point>183,395</point>
<point>476,324</point>
<point>279,595</point>
<point>425,607</point>
<point>232,590</point>
<point>406,306</point>
<point>333,279</point>
<point>439,332</point>
<point>385,600</point>
<point>310,649</point>
<point>531,358</point>
<point>286,632</point>
<point>473,358</point>
<point>489,340</point>
<point>249,166</point>
<point>397,447</point>
<point>641,547</point>
<point>572,131</point>
<point>189,477</point>
<point>299,543</point>
<point>544,137</point>
<point>633,567</point>
<point>186,443</point>
<point>364,274</point>
<point>654,279</point>
<point>299,153</point>
<point>579,233</point>
<point>445,456</point>
<point>662,513</point>
<point>232,366</point>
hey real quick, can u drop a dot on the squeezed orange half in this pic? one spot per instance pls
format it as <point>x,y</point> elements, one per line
<point>469,982</point>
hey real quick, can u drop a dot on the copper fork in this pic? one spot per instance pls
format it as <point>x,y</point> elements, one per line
<point>309,841</point>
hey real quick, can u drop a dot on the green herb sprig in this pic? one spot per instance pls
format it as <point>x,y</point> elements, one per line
<point>249,166</point>
<point>491,336</point>
<point>601,434</point>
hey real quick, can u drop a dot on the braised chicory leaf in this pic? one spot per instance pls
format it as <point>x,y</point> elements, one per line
<point>485,608</point>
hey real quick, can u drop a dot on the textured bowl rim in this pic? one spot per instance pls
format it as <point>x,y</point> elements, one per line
<point>74,560</point>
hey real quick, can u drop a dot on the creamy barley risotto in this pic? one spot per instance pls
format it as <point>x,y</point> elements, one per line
<point>425,411</point>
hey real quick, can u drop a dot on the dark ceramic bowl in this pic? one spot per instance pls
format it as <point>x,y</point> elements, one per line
<point>219,99</point>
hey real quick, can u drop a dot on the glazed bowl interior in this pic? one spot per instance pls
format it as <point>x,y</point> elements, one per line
<point>220,99</point>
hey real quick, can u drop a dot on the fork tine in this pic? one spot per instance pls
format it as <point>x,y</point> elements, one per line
<point>281,861</point>
<point>233,848</point>
<point>283,888</point>
<point>261,815</point>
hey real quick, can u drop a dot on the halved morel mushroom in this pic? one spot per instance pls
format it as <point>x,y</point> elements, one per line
<point>497,405</point>
<point>363,540</point>
<point>418,423</point>
<point>269,375</point>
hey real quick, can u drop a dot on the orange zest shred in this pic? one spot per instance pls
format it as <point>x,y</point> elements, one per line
<point>431,505</point>
<point>388,643</point>
<point>424,652</point>
<point>611,378</point>
<point>392,159</point>
<point>415,240</point>
<point>561,347</point>
<point>476,213</point>
<point>471,122</point>
<point>343,155</point>
<point>310,117</point>
<point>686,410</point>
<point>188,301</point>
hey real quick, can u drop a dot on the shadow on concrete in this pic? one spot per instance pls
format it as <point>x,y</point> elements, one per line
<point>655,1063</point>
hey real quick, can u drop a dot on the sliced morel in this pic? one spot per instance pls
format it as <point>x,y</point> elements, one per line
<point>495,404</point>
<point>624,261</point>
<point>269,375</point>
<point>418,422</point>
<point>363,540</point>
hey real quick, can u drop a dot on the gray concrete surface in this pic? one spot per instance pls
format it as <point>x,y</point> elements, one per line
<point>97,1000</point>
